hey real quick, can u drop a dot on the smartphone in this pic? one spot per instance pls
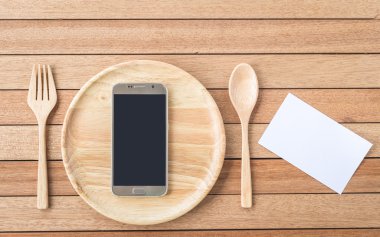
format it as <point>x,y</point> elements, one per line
<point>139,139</point>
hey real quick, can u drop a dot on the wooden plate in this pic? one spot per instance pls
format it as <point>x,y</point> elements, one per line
<point>196,143</point>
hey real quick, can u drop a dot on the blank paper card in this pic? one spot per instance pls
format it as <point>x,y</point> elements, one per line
<point>314,143</point>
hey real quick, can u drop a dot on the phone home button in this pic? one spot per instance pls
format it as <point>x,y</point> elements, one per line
<point>138,191</point>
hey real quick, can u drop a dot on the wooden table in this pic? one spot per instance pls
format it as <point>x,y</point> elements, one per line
<point>325,52</point>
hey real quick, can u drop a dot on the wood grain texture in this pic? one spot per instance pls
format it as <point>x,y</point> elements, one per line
<point>278,176</point>
<point>194,9</point>
<point>213,71</point>
<point>195,36</point>
<point>269,177</point>
<point>196,143</point>
<point>215,212</point>
<point>25,136</point>
<point>350,105</point>
<point>210,233</point>
<point>14,137</point>
<point>369,131</point>
<point>341,105</point>
<point>273,208</point>
<point>23,174</point>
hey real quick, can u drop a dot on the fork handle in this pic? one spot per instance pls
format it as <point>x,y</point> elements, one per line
<point>42,181</point>
<point>246,181</point>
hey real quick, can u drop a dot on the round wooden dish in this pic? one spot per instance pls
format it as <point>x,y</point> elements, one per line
<point>196,143</point>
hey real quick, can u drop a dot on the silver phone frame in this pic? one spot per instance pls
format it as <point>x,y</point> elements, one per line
<point>140,89</point>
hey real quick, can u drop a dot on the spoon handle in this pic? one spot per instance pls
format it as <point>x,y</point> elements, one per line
<point>246,182</point>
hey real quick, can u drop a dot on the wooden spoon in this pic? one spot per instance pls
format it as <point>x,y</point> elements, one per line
<point>243,90</point>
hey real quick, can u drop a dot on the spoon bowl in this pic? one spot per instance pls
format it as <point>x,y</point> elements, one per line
<point>243,90</point>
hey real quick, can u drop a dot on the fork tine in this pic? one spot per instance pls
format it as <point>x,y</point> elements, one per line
<point>45,85</point>
<point>39,83</point>
<point>32,94</point>
<point>51,84</point>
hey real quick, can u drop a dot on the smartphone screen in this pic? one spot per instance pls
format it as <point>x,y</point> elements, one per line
<point>139,140</point>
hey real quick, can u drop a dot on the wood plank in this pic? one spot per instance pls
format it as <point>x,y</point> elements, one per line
<point>269,177</point>
<point>349,105</point>
<point>209,233</point>
<point>14,137</point>
<point>279,176</point>
<point>286,211</point>
<point>346,105</point>
<point>193,9</point>
<point>370,131</point>
<point>273,71</point>
<point>23,174</point>
<point>193,37</point>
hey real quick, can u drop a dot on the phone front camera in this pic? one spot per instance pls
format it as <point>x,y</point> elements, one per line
<point>152,86</point>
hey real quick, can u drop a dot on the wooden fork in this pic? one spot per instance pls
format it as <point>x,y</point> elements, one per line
<point>42,98</point>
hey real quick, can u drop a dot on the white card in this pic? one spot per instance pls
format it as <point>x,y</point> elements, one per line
<point>314,143</point>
